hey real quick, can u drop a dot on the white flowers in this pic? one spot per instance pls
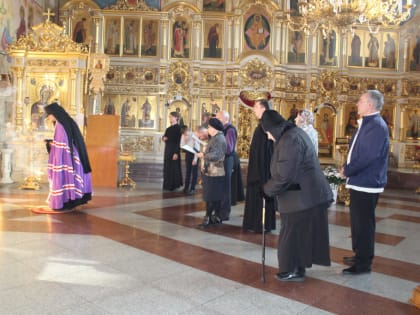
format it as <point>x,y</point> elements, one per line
<point>333,176</point>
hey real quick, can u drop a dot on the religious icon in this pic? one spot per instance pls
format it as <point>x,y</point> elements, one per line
<point>257,32</point>
<point>390,52</point>
<point>328,49</point>
<point>297,47</point>
<point>131,37</point>
<point>214,5</point>
<point>149,39</point>
<point>180,39</point>
<point>112,39</point>
<point>213,39</point>
<point>355,58</point>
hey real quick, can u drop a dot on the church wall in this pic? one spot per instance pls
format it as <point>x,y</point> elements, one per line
<point>198,57</point>
<point>299,71</point>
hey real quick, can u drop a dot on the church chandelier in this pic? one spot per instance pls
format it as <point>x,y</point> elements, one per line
<point>324,15</point>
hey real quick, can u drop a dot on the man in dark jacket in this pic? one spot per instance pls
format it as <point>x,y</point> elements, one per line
<point>366,172</point>
<point>303,196</point>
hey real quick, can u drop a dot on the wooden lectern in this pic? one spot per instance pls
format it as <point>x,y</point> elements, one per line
<point>102,138</point>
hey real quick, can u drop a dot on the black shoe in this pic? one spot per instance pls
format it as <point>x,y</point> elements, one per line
<point>191,192</point>
<point>356,270</point>
<point>214,219</point>
<point>349,260</point>
<point>206,222</point>
<point>294,276</point>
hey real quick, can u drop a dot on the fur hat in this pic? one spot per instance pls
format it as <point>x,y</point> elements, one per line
<point>271,119</point>
<point>216,124</point>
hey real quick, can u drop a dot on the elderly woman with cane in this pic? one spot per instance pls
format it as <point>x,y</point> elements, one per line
<point>303,196</point>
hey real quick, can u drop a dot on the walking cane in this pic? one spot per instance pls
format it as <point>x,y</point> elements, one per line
<point>263,242</point>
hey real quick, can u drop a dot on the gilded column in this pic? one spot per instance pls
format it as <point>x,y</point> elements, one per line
<point>197,38</point>
<point>72,107</point>
<point>229,52</point>
<point>237,37</point>
<point>98,43</point>
<point>313,48</point>
<point>19,98</point>
<point>277,32</point>
<point>164,41</point>
<point>284,45</point>
<point>405,60</point>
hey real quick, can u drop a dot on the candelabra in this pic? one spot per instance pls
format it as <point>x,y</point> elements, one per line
<point>126,181</point>
<point>343,194</point>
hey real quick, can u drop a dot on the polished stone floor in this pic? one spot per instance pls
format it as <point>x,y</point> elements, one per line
<point>141,252</point>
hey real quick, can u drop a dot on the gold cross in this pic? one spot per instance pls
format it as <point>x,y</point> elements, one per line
<point>48,14</point>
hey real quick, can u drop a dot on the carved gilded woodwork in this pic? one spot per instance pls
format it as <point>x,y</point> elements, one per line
<point>245,126</point>
<point>179,78</point>
<point>212,79</point>
<point>137,143</point>
<point>256,74</point>
<point>296,83</point>
<point>47,37</point>
<point>138,5</point>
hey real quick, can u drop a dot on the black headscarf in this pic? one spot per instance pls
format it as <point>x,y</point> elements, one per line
<point>74,135</point>
<point>273,122</point>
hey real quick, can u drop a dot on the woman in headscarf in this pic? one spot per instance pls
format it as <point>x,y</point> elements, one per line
<point>213,172</point>
<point>305,120</point>
<point>68,162</point>
<point>303,196</point>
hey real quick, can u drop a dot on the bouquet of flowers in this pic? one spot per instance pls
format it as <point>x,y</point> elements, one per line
<point>333,176</point>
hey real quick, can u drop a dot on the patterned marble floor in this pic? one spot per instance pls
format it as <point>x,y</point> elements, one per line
<point>141,252</point>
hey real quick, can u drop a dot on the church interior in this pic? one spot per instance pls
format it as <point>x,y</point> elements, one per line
<point>119,67</point>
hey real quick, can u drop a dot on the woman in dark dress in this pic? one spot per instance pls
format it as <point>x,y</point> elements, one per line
<point>172,175</point>
<point>213,172</point>
<point>303,196</point>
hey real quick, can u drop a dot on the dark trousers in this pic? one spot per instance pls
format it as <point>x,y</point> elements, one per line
<point>191,172</point>
<point>363,225</point>
<point>226,200</point>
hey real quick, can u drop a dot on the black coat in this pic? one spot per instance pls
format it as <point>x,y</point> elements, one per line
<point>172,175</point>
<point>297,181</point>
<point>260,153</point>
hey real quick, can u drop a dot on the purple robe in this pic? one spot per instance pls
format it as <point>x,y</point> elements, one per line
<point>69,185</point>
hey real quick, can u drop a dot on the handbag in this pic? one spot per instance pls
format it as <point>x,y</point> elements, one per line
<point>214,168</point>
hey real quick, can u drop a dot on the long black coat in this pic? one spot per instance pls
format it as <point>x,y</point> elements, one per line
<point>297,180</point>
<point>172,174</point>
<point>303,195</point>
<point>260,153</point>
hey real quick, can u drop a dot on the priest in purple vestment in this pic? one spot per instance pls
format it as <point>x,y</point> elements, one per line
<point>69,171</point>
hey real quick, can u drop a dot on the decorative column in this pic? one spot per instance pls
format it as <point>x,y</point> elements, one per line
<point>6,166</point>
<point>19,97</point>
<point>72,107</point>
<point>229,39</point>
<point>196,39</point>
<point>237,36</point>
<point>164,42</point>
